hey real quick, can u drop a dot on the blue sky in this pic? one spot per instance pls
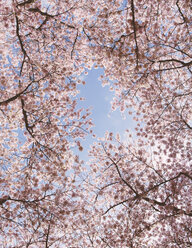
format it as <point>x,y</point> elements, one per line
<point>99,99</point>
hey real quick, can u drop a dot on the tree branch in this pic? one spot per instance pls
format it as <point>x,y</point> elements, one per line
<point>16,96</point>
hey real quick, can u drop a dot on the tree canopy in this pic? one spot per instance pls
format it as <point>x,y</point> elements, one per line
<point>135,193</point>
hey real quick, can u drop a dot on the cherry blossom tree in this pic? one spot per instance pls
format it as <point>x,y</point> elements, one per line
<point>40,124</point>
<point>143,187</point>
<point>137,192</point>
<point>142,193</point>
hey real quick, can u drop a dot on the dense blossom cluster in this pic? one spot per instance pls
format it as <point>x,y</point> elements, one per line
<point>136,193</point>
